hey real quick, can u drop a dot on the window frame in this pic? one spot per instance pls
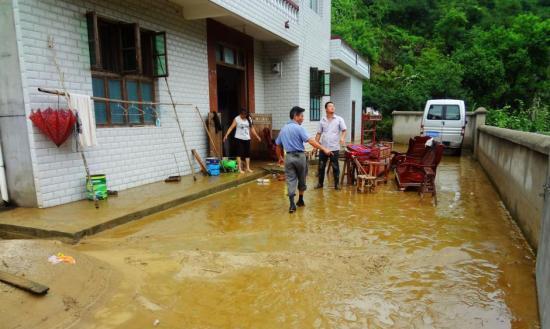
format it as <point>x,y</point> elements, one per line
<point>315,108</point>
<point>125,76</point>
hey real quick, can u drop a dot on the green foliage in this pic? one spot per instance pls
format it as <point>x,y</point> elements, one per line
<point>491,53</point>
<point>534,119</point>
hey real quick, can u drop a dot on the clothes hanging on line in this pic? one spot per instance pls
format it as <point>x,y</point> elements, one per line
<point>84,108</point>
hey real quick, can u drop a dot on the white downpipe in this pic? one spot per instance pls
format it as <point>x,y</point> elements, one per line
<point>3,183</point>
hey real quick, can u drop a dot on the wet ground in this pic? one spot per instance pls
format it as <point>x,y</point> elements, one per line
<point>237,259</point>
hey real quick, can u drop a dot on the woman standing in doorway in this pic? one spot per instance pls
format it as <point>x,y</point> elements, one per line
<point>243,125</point>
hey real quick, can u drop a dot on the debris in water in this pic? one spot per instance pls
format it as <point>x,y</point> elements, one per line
<point>156,322</point>
<point>61,258</point>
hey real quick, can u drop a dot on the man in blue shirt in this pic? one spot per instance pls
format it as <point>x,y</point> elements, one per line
<point>292,138</point>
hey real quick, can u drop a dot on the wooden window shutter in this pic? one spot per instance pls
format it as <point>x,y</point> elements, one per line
<point>131,48</point>
<point>160,55</point>
<point>314,86</point>
<point>93,40</point>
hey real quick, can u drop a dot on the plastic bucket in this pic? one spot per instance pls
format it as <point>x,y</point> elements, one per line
<point>229,165</point>
<point>212,161</point>
<point>213,169</point>
<point>97,184</point>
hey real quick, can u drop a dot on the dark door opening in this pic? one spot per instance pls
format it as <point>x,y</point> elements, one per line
<point>231,98</point>
<point>352,121</point>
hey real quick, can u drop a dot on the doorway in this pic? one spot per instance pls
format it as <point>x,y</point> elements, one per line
<point>231,98</point>
<point>352,121</point>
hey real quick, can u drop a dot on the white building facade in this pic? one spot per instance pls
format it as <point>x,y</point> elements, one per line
<point>217,55</point>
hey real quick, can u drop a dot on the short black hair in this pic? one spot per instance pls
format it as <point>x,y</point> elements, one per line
<point>329,102</point>
<point>295,111</point>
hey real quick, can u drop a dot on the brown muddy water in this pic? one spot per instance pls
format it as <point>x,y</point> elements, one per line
<point>237,259</point>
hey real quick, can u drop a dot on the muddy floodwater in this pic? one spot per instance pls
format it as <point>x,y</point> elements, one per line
<point>237,259</point>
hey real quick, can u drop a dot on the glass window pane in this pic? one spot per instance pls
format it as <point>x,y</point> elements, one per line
<point>229,56</point>
<point>117,111</point>
<point>435,112</point>
<point>100,109</point>
<point>134,113</point>
<point>147,96</point>
<point>98,87</point>
<point>452,112</point>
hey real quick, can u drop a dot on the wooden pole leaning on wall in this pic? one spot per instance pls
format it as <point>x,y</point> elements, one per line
<point>218,154</point>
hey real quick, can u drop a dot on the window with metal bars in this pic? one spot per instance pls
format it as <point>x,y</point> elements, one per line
<point>319,86</point>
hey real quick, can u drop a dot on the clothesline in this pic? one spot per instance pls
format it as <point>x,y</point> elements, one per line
<point>113,100</point>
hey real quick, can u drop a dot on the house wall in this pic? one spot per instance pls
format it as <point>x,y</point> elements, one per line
<point>129,156</point>
<point>291,87</point>
<point>314,52</point>
<point>341,97</point>
<point>357,96</point>
<point>13,119</point>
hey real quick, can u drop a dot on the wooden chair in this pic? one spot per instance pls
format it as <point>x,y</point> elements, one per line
<point>366,177</point>
<point>420,174</point>
<point>415,151</point>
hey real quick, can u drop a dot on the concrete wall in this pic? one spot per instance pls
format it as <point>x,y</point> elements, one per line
<point>517,164</point>
<point>14,124</point>
<point>543,261</point>
<point>406,124</point>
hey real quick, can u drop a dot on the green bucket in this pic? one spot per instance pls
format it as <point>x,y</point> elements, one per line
<point>229,165</point>
<point>97,184</point>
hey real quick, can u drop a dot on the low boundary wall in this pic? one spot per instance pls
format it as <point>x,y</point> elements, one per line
<point>406,124</point>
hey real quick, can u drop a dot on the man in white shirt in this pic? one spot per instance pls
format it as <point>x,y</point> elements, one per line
<point>332,130</point>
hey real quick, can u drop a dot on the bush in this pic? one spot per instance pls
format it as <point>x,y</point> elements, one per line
<point>533,119</point>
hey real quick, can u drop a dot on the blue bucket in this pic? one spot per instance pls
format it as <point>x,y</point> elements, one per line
<point>212,161</point>
<point>213,169</point>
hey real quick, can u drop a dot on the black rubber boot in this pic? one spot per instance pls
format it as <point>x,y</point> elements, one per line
<point>318,186</point>
<point>292,207</point>
<point>301,202</point>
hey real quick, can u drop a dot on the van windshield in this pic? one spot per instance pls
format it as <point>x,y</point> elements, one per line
<point>444,112</point>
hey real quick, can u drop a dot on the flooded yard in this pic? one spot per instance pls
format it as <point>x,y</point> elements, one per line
<point>237,259</point>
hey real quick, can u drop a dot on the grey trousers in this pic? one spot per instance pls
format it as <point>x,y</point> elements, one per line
<point>296,172</point>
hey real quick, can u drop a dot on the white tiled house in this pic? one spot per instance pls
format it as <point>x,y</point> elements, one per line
<point>221,55</point>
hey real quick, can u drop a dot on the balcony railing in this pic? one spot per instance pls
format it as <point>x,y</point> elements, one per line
<point>288,8</point>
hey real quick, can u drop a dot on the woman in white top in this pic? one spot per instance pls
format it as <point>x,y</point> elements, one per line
<point>243,123</point>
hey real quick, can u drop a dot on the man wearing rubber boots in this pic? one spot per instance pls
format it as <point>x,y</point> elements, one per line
<point>332,130</point>
<point>292,138</point>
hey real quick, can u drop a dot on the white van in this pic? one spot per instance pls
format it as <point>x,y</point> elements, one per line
<point>445,121</point>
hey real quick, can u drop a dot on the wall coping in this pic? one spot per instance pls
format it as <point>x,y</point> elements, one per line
<point>537,142</point>
<point>407,113</point>
<point>479,110</point>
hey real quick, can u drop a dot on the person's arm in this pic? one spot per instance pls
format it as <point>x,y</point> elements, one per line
<point>343,137</point>
<point>233,125</point>
<point>280,155</point>
<point>255,134</point>
<point>306,139</point>
<point>319,132</point>
<point>343,129</point>
<point>317,145</point>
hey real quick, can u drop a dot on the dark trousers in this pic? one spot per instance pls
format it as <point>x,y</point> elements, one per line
<point>323,158</point>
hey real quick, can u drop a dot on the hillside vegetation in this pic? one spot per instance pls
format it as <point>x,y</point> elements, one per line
<point>491,53</point>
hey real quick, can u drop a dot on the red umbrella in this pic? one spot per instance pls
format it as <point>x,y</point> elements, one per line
<point>56,124</point>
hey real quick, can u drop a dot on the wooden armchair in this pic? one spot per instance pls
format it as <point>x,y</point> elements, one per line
<point>415,151</point>
<point>421,173</point>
